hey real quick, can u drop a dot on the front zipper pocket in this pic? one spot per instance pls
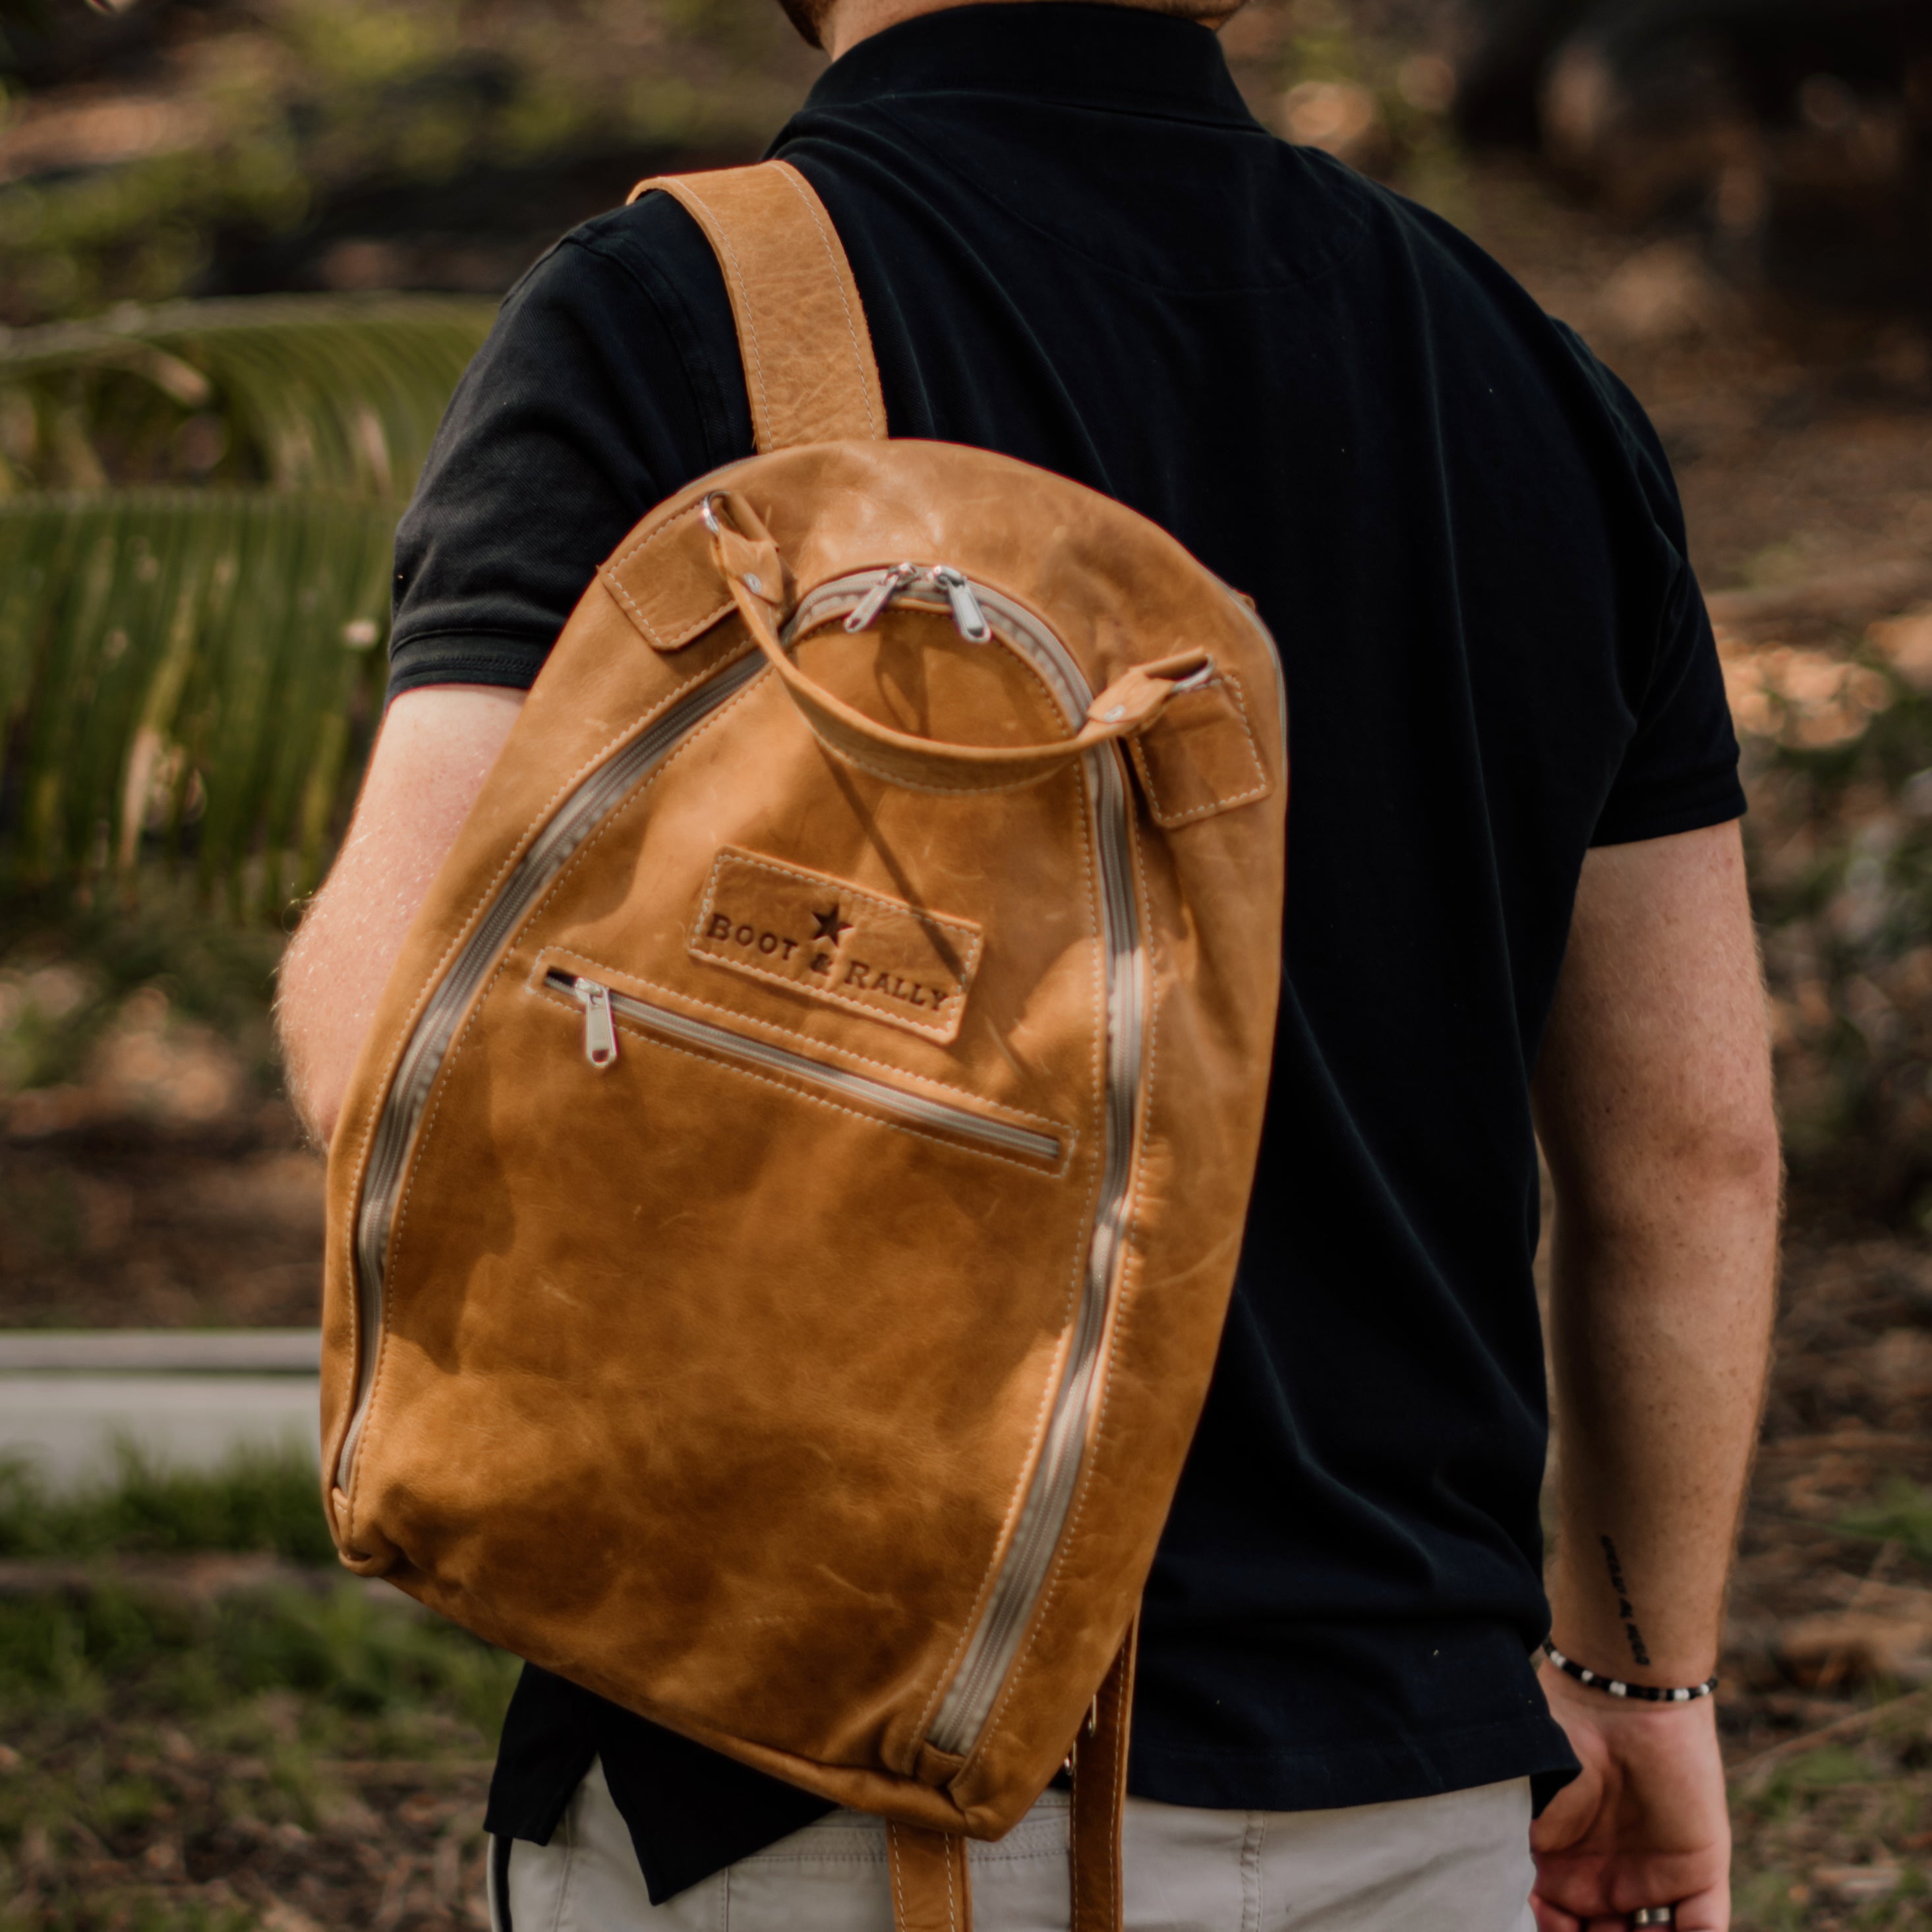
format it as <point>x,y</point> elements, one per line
<point>603,1005</point>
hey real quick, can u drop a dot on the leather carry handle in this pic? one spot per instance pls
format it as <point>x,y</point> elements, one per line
<point>748,559</point>
<point>932,1888</point>
<point>809,370</point>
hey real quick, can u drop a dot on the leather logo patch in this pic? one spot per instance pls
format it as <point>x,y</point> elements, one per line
<point>828,940</point>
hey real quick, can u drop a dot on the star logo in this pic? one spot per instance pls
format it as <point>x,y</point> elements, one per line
<point>830,925</point>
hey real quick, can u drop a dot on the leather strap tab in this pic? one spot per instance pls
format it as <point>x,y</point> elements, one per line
<point>1100,1796</point>
<point>808,365</point>
<point>931,1891</point>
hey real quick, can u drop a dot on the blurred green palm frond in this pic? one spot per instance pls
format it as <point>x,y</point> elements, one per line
<point>196,507</point>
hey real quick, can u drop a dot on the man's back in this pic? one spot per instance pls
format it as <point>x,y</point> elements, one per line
<point>1075,247</point>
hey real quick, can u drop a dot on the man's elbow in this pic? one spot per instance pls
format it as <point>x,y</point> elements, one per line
<point>1727,1167</point>
<point>316,1098</point>
<point>1735,1174</point>
<point>316,1056</point>
<point>1728,1144</point>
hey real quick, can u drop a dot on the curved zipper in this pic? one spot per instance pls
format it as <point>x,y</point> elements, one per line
<point>601,1004</point>
<point>587,808</point>
<point>988,1655</point>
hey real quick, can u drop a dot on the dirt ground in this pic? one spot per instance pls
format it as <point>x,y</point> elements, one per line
<point>1803,445</point>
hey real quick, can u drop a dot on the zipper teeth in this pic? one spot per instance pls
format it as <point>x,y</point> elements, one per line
<point>915,1107</point>
<point>422,1059</point>
<point>968,1705</point>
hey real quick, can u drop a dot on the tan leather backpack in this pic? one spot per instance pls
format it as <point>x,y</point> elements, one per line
<point>783,1218</point>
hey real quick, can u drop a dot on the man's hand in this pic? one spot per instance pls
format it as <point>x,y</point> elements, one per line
<point>1646,1824</point>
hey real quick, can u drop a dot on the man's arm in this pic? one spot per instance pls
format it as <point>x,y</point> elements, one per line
<point>435,749</point>
<point>1654,1103</point>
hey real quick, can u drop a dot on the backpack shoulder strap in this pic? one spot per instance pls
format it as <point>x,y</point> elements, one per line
<point>808,364</point>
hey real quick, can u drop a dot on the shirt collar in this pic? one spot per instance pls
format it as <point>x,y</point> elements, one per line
<point>1071,51</point>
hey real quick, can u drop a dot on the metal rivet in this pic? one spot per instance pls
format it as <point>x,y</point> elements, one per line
<point>755,585</point>
<point>1114,716</point>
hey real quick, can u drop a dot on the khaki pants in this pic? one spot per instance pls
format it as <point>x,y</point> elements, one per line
<point>1458,1863</point>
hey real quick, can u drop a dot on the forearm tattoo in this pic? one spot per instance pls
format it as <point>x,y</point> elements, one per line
<point>1632,1635</point>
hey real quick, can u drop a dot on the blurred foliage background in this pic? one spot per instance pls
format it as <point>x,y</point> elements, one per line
<point>247,247</point>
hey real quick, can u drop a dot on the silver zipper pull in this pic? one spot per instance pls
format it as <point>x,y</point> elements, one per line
<point>966,611</point>
<point>600,1031</point>
<point>882,593</point>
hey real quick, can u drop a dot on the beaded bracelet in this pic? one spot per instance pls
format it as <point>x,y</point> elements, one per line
<point>1614,1686</point>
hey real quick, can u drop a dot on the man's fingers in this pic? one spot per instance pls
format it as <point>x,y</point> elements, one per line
<point>1708,1911</point>
<point>1568,1816</point>
<point>1552,1917</point>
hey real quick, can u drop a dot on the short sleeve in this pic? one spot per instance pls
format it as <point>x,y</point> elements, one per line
<point>610,380</point>
<point>1679,770</point>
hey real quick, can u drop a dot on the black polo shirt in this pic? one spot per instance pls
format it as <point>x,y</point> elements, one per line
<point>1076,247</point>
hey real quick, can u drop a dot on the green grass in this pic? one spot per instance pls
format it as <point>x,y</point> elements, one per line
<point>110,1650</point>
<point>114,1646</point>
<point>141,1734</point>
<point>1902,1514</point>
<point>258,1501</point>
<point>174,1763</point>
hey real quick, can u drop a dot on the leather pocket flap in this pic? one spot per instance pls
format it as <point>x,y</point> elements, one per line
<point>1199,757</point>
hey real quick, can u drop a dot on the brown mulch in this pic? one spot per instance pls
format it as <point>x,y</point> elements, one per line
<point>117,1227</point>
<point>388,1847</point>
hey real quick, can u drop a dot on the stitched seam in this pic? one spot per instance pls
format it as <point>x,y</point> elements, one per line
<point>655,638</point>
<point>663,530</point>
<point>602,756</point>
<point>1023,1657</point>
<point>1252,1903</point>
<point>427,1132</point>
<point>806,198</point>
<point>1082,1244</point>
<point>1073,1859</point>
<point>1082,1250</point>
<point>569,1871</point>
<point>895,1860</point>
<point>946,1029</point>
<point>1169,820</point>
<point>952,1910</point>
<point>864,1059</point>
<point>744,292</point>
